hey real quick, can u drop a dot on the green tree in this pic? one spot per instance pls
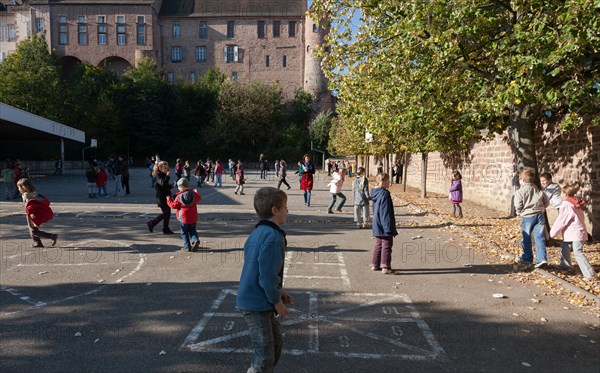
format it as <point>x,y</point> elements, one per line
<point>319,129</point>
<point>30,80</point>
<point>437,76</point>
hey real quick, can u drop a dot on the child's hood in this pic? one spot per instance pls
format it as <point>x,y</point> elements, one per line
<point>186,197</point>
<point>578,203</point>
<point>378,193</point>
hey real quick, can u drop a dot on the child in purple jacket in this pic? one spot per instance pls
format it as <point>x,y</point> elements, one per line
<point>456,194</point>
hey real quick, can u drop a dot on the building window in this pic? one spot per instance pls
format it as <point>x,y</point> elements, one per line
<point>1,53</point>
<point>63,29</point>
<point>80,19</point>
<point>40,24</point>
<point>170,78</point>
<point>141,31</point>
<point>12,33</point>
<point>261,29</point>
<point>292,29</point>
<point>82,34</point>
<point>230,29</point>
<point>203,30</point>
<point>267,60</point>
<point>284,61</point>
<point>276,29</point>
<point>176,54</point>
<point>102,30</point>
<point>234,76</point>
<point>2,32</point>
<point>315,27</point>
<point>192,77</point>
<point>231,53</point>
<point>121,19</point>
<point>121,36</point>
<point>176,30</point>
<point>201,54</point>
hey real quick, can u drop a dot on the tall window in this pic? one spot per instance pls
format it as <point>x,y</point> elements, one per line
<point>201,54</point>
<point>170,78</point>
<point>192,77</point>
<point>267,60</point>
<point>261,29</point>
<point>234,76</point>
<point>12,33</point>
<point>176,30</point>
<point>121,36</point>
<point>203,30</point>
<point>231,53</point>
<point>292,29</point>
<point>82,33</point>
<point>176,54</point>
<point>315,27</point>
<point>140,31</point>
<point>284,62</point>
<point>102,30</point>
<point>276,29</point>
<point>62,30</point>
<point>39,24</point>
<point>2,31</point>
<point>230,29</point>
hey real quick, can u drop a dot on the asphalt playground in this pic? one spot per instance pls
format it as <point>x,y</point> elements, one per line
<point>113,297</point>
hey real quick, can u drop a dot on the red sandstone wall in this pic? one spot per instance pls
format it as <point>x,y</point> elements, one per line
<point>487,177</point>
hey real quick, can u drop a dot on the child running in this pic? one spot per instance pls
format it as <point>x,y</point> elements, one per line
<point>260,295</point>
<point>184,202</point>
<point>384,225</point>
<point>456,194</point>
<point>37,211</point>
<point>570,223</point>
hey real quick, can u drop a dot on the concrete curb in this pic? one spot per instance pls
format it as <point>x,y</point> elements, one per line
<point>574,288</point>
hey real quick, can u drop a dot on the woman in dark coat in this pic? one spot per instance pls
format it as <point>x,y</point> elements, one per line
<point>163,190</point>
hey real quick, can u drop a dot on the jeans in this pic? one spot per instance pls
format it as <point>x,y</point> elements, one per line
<point>334,198</point>
<point>283,181</point>
<point>188,231</point>
<point>267,340</point>
<point>533,224</point>
<point>219,179</point>
<point>584,265</point>
<point>382,253</point>
<point>102,191</point>
<point>119,186</point>
<point>307,197</point>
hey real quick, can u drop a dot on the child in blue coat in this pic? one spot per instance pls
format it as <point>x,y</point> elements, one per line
<point>384,225</point>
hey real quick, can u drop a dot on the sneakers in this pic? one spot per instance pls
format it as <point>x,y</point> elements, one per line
<point>168,231</point>
<point>522,265</point>
<point>150,226</point>
<point>188,249</point>
<point>54,238</point>
<point>195,246</point>
<point>374,268</point>
<point>37,244</point>
<point>389,271</point>
<point>541,265</point>
<point>329,212</point>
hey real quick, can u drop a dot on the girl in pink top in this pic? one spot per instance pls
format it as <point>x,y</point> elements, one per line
<point>570,222</point>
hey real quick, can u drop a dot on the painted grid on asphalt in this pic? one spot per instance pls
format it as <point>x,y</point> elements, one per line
<point>347,325</point>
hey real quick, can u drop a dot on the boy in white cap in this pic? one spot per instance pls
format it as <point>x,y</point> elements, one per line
<point>185,203</point>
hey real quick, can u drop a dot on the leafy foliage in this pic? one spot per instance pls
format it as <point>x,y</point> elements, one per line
<point>436,76</point>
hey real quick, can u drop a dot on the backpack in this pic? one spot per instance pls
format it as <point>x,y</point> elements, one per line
<point>40,208</point>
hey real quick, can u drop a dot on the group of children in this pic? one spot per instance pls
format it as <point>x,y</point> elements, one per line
<point>261,297</point>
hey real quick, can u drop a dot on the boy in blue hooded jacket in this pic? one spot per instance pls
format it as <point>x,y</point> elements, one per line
<point>260,295</point>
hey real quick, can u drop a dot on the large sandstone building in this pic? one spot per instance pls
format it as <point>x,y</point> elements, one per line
<point>270,41</point>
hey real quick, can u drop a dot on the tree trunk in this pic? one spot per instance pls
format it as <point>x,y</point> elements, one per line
<point>423,175</point>
<point>523,145</point>
<point>405,170</point>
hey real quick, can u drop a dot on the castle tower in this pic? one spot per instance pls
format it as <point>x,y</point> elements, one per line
<point>315,81</point>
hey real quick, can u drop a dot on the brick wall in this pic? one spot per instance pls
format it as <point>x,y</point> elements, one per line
<point>488,175</point>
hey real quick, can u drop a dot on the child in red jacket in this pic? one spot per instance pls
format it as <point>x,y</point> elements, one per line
<point>37,210</point>
<point>184,202</point>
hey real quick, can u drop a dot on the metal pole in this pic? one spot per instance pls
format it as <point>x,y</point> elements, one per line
<point>62,156</point>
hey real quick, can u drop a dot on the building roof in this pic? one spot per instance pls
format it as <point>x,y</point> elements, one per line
<point>233,8</point>
<point>17,124</point>
<point>91,2</point>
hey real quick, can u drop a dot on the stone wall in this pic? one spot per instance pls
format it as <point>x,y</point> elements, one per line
<point>489,172</point>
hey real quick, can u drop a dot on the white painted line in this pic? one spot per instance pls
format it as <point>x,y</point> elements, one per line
<point>313,329</point>
<point>343,271</point>
<point>195,333</point>
<point>90,292</point>
<point>68,264</point>
<point>317,264</point>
